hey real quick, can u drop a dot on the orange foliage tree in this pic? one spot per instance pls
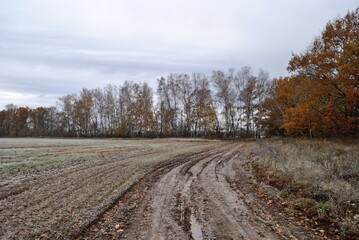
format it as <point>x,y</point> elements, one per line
<point>322,95</point>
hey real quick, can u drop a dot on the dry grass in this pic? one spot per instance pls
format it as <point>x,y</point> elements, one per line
<point>54,187</point>
<point>320,179</point>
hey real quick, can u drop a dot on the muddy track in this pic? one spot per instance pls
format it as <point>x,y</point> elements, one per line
<point>202,196</point>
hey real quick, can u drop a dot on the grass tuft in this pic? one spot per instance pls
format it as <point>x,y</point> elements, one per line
<point>320,179</point>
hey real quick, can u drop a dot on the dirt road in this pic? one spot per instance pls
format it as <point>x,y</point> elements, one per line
<point>202,196</point>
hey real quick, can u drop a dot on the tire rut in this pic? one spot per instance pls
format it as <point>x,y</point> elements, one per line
<point>110,223</point>
<point>200,196</point>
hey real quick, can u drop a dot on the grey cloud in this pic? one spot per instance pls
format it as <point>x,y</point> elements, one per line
<point>44,54</point>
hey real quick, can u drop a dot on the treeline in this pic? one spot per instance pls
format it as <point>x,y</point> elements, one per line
<point>319,99</point>
<point>221,105</point>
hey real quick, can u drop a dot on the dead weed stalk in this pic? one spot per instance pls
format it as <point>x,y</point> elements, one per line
<point>318,178</point>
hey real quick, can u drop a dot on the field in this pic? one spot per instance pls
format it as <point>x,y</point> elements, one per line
<point>176,189</point>
<point>55,187</point>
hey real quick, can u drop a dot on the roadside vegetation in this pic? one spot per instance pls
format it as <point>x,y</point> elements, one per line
<point>316,181</point>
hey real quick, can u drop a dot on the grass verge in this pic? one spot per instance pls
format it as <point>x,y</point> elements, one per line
<point>318,181</point>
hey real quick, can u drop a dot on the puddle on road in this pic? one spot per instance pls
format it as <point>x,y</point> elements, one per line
<point>196,229</point>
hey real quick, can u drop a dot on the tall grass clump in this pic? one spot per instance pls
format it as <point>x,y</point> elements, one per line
<point>319,178</point>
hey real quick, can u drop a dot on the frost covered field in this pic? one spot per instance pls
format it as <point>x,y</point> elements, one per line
<point>56,187</point>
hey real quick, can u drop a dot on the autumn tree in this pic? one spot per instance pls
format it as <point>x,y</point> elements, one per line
<point>10,118</point>
<point>281,105</point>
<point>39,121</point>
<point>203,110</point>
<point>82,112</point>
<point>275,105</point>
<point>141,118</point>
<point>331,66</point>
<point>2,126</point>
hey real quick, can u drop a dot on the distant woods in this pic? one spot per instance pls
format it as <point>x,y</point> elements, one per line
<point>319,99</point>
<point>184,105</point>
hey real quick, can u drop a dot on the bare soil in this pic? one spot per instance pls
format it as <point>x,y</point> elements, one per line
<point>159,189</point>
<point>55,188</point>
<point>208,195</point>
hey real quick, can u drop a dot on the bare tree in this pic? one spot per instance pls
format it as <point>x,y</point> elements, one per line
<point>247,95</point>
<point>226,97</point>
<point>262,86</point>
<point>67,105</point>
<point>167,95</point>
<point>204,114</point>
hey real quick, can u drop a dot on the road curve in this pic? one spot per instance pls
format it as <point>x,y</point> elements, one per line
<point>202,196</point>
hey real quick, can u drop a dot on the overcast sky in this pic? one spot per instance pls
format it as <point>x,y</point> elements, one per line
<point>49,48</point>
